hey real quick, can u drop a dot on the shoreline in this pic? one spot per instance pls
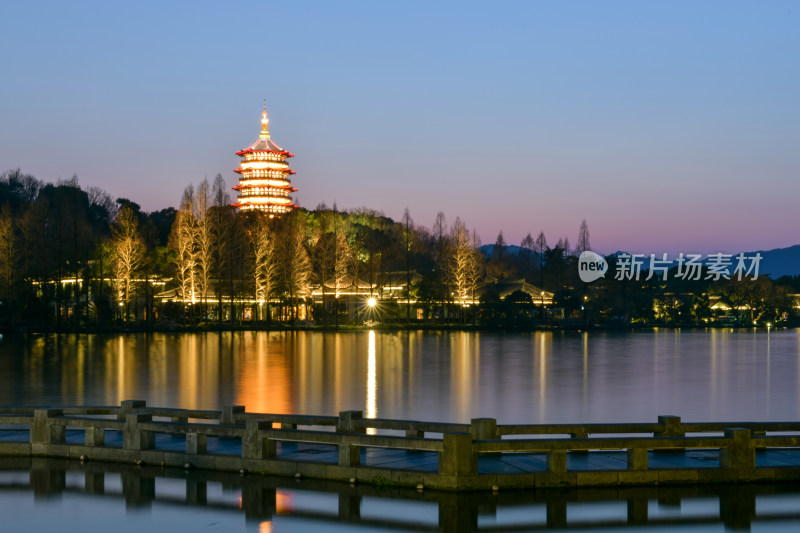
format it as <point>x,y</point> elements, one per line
<point>210,328</point>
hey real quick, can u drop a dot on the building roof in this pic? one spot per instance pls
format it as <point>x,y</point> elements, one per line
<point>506,287</point>
<point>264,145</point>
<point>264,142</point>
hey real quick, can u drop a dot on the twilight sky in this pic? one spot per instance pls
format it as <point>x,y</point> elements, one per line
<point>671,126</point>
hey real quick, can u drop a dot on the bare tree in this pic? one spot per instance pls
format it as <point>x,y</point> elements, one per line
<point>583,238</point>
<point>220,223</point>
<point>463,263</point>
<point>182,241</point>
<point>408,227</point>
<point>204,245</point>
<point>322,248</point>
<point>498,265</point>
<point>102,199</point>
<point>7,252</point>
<point>439,232</point>
<point>332,255</point>
<point>342,254</point>
<point>129,252</point>
<point>528,246</point>
<point>265,261</point>
<point>296,266</point>
<point>541,248</point>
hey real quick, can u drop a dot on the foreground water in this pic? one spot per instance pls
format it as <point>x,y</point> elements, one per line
<point>723,375</point>
<point>54,495</point>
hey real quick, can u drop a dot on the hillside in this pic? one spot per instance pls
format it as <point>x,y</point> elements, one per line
<point>775,263</point>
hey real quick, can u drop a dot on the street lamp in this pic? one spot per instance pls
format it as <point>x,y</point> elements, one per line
<point>542,294</point>
<point>370,309</point>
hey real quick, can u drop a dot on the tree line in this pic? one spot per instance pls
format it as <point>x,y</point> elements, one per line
<point>74,258</point>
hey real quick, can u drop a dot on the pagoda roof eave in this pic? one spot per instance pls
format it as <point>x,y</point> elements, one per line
<point>287,206</point>
<point>250,150</point>
<point>287,171</point>
<point>278,187</point>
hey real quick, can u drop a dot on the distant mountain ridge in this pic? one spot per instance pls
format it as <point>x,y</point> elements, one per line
<point>774,263</point>
<point>780,261</point>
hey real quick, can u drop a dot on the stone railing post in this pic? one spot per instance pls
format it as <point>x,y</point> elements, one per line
<point>129,406</point>
<point>740,454</point>
<point>557,461</point>
<point>457,457</point>
<point>672,427</point>
<point>254,446</point>
<point>95,436</point>
<point>483,428</point>
<point>133,436</point>
<point>228,415</point>
<point>42,431</point>
<point>580,434</point>
<point>349,455</point>
<point>637,459</point>
<point>196,443</point>
<point>758,433</point>
<point>347,420</point>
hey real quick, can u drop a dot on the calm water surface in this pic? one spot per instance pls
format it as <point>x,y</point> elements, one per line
<point>452,376</point>
<point>53,495</point>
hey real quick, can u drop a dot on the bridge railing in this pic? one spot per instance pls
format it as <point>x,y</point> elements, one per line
<point>459,446</point>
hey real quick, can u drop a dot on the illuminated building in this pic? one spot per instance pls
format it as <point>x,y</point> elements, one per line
<point>264,183</point>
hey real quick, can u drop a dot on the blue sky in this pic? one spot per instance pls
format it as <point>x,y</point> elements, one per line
<point>669,126</point>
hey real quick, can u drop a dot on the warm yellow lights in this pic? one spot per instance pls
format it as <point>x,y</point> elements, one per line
<point>372,302</point>
<point>260,183</point>
<point>259,199</point>
<point>263,156</point>
<point>264,123</point>
<point>280,209</point>
<point>258,165</point>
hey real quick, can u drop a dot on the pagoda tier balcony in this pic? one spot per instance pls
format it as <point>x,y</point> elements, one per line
<point>276,190</point>
<point>255,156</point>
<point>274,187</point>
<point>277,194</point>
<point>273,170</point>
<point>259,181</point>
<point>264,200</point>
<point>264,165</point>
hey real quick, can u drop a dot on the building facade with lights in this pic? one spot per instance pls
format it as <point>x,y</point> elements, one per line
<point>264,182</point>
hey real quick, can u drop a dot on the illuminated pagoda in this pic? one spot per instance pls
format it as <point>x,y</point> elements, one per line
<point>264,183</point>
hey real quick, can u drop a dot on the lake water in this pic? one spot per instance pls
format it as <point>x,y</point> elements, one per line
<point>55,495</point>
<point>537,377</point>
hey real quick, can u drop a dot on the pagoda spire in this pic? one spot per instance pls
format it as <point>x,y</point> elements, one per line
<point>264,123</point>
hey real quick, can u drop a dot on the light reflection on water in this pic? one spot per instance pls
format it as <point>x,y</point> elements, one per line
<point>537,377</point>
